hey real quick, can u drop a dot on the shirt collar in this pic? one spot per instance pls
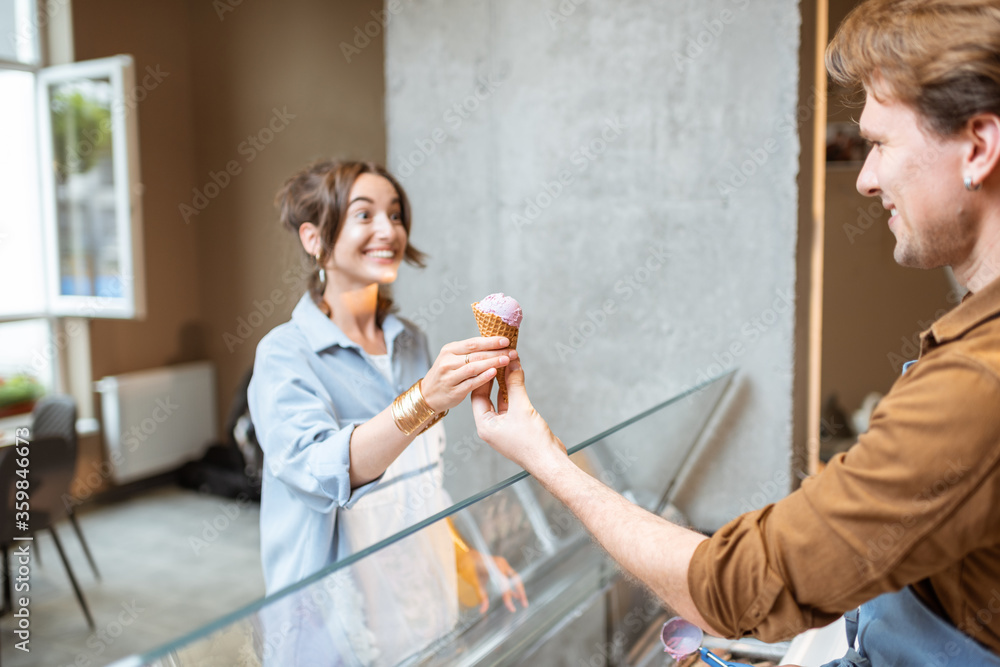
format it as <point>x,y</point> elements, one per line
<point>323,334</point>
<point>973,311</point>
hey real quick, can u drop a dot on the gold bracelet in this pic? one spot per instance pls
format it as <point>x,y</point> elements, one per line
<point>438,417</point>
<point>410,410</point>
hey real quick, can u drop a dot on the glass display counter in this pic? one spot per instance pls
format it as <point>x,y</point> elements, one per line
<point>422,597</point>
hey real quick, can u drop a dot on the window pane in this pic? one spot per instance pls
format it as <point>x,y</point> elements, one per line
<point>21,283</point>
<point>19,31</point>
<point>89,262</point>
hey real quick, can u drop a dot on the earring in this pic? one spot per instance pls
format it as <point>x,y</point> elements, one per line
<point>322,271</point>
<point>970,186</point>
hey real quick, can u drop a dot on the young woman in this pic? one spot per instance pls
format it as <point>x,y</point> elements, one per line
<point>345,398</point>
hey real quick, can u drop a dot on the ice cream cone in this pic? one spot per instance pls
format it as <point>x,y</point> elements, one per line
<point>493,325</point>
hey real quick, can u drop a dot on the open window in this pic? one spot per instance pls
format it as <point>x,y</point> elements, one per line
<point>91,190</point>
<point>70,203</point>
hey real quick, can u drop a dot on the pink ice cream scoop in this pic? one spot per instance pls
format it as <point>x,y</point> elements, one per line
<point>499,315</point>
<point>680,638</point>
<point>504,307</point>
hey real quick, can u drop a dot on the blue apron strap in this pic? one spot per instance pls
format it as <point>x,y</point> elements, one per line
<point>899,629</point>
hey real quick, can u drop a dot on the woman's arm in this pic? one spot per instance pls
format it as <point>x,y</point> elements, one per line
<point>376,443</point>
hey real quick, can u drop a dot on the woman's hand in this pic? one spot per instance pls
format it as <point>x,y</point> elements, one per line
<point>515,429</point>
<point>473,574</point>
<point>463,366</point>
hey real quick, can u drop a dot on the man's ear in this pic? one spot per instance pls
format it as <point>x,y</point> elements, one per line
<point>309,236</point>
<point>983,132</point>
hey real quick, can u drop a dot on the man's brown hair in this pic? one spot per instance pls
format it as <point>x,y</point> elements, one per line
<point>941,57</point>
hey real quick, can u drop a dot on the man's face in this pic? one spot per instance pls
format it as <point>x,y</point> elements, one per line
<point>918,176</point>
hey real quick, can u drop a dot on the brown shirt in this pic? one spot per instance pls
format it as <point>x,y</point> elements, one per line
<point>916,501</point>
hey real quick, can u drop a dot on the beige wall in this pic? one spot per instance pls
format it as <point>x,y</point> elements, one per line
<point>871,305</point>
<point>158,36</point>
<point>228,72</point>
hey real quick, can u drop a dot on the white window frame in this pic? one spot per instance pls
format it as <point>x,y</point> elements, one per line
<point>120,71</point>
<point>74,350</point>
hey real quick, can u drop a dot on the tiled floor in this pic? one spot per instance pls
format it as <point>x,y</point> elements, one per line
<point>171,560</point>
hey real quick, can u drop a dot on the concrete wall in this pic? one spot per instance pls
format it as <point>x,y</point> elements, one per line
<point>585,157</point>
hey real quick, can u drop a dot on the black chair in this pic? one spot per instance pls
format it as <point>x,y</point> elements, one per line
<point>50,465</point>
<point>56,415</point>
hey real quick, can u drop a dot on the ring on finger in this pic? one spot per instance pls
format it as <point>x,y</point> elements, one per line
<point>466,358</point>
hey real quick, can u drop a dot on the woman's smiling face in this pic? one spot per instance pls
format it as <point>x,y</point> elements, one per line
<point>372,239</point>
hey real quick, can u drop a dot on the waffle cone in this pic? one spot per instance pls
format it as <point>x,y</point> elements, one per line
<point>493,325</point>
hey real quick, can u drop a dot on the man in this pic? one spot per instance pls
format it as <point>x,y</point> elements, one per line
<point>907,523</point>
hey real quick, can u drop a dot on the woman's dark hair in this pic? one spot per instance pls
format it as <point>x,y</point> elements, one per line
<point>320,194</point>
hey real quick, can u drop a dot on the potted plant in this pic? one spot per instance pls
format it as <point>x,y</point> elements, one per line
<point>18,394</point>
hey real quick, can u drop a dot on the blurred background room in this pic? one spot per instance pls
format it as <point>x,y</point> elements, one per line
<point>666,187</point>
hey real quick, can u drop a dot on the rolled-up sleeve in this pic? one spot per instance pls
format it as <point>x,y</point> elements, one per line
<point>307,446</point>
<point>902,505</point>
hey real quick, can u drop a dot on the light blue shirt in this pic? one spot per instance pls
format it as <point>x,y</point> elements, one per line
<point>311,387</point>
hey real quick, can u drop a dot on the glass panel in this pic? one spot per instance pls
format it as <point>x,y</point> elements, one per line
<point>83,161</point>
<point>22,284</point>
<point>19,31</point>
<point>427,597</point>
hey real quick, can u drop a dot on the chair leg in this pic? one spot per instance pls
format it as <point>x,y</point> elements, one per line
<point>86,549</point>
<point>72,579</point>
<point>8,601</point>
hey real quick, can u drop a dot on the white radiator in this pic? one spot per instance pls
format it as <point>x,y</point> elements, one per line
<point>156,420</point>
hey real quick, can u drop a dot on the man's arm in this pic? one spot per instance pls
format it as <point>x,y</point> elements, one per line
<point>652,549</point>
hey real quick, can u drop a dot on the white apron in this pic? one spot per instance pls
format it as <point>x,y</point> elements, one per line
<point>400,599</point>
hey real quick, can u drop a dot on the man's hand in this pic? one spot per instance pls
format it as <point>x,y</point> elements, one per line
<point>515,429</point>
